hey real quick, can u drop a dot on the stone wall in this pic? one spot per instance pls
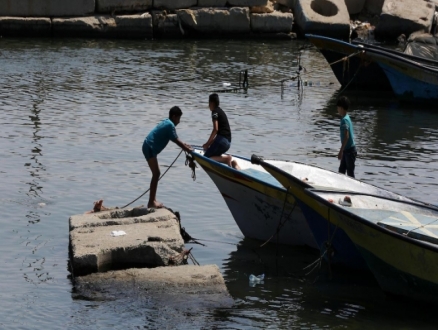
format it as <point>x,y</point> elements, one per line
<point>141,19</point>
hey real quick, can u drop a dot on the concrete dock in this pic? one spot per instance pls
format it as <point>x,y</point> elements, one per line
<point>149,239</point>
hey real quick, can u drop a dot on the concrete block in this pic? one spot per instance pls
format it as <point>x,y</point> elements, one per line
<point>324,17</point>
<point>172,4</point>
<point>150,241</point>
<point>25,26</point>
<point>374,7</point>
<point>272,23</point>
<point>215,21</point>
<point>165,25</point>
<point>355,6</point>
<point>187,288</point>
<point>129,26</point>
<point>212,3</point>
<point>404,17</point>
<point>118,6</point>
<point>247,3</point>
<point>46,8</point>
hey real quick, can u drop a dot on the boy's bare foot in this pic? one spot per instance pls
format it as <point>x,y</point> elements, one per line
<point>155,205</point>
<point>235,165</point>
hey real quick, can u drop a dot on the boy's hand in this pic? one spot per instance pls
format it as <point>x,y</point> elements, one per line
<point>340,154</point>
<point>188,147</point>
<point>205,146</point>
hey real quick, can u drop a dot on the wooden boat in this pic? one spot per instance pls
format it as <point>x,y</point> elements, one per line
<point>363,70</point>
<point>257,202</point>
<point>397,239</point>
<point>410,79</point>
<point>333,242</point>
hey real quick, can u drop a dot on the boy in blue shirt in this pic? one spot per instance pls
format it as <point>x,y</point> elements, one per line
<point>155,142</point>
<point>347,154</point>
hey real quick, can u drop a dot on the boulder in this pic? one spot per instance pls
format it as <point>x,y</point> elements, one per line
<point>128,26</point>
<point>148,240</point>
<point>272,23</point>
<point>354,6</point>
<point>324,17</point>
<point>374,7</point>
<point>166,25</point>
<point>212,3</point>
<point>112,6</point>
<point>173,4</point>
<point>404,17</point>
<point>46,8</point>
<point>247,3</point>
<point>25,26</point>
<point>215,21</point>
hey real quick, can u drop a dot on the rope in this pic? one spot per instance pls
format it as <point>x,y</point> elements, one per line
<point>190,161</point>
<point>281,224</point>
<point>158,180</point>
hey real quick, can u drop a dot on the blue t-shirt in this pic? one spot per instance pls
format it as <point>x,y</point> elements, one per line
<point>346,125</point>
<point>159,137</point>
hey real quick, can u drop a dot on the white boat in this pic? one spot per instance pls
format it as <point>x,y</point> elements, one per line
<point>257,202</point>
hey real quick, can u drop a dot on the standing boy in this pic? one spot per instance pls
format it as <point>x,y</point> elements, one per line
<point>155,142</point>
<point>220,138</point>
<point>347,154</point>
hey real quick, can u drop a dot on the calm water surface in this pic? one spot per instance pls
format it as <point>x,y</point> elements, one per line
<point>74,114</point>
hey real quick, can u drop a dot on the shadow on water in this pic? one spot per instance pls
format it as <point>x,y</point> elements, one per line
<point>290,296</point>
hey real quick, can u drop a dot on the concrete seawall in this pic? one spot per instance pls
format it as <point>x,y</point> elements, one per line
<point>142,19</point>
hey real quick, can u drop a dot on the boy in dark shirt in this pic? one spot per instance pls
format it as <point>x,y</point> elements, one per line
<point>220,137</point>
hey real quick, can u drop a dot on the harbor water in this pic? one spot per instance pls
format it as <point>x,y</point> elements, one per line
<point>73,116</point>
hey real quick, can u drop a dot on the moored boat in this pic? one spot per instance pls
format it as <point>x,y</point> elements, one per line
<point>371,67</point>
<point>397,239</point>
<point>257,202</point>
<point>410,79</point>
<point>333,242</point>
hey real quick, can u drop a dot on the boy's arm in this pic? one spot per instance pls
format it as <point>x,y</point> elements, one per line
<point>346,137</point>
<point>212,135</point>
<point>183,146</point>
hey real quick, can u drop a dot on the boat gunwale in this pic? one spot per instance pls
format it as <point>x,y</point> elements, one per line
<point>430,246</point>
<point>374,48</point>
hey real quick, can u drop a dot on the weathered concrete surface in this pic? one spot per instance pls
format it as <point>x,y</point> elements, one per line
<point>150,240</point>
<point>25,26</point>
<point>404,16</point>
<point>272,23</point>
<point>127,26</point>
<point>46,8</point>
<point>215,21</point>
<point>354,6</point>
<point>187,288</point>
<point>172,4</point>
<point>324,17</point>
<point>111,6</point>
<point>212,3</point>
<point>247,3</point>
<point>374,6</point>
<point>166,25</point>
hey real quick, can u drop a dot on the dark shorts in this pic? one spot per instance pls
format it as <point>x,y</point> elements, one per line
<point>147,151</point>
<point>219,146</point>
<point>348,161</point>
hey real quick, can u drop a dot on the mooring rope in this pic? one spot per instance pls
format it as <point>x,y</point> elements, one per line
<point>190,161</point>
<point>281,223</point>
<point>158,180</point>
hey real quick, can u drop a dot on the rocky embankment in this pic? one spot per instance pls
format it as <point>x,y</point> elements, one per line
<point>147,19</point>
